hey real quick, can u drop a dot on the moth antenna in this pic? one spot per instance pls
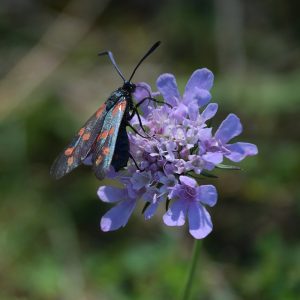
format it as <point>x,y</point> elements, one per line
<point>111,57</point>
<point>144,57</point>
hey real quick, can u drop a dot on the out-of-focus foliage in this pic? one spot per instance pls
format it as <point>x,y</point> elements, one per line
<point>51,80</point>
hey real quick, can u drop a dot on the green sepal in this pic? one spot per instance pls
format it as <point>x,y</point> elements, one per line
<point>227,167</point>
<point>145,207</point>
<point>207,174</point>
<point>168,204</point>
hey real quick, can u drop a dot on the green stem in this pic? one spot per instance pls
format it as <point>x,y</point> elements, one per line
<point>190,277</point>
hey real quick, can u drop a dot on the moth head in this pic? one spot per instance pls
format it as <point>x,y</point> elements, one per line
<point>129,87</point>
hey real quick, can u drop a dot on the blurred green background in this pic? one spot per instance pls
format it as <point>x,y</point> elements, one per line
<point>51,246</point>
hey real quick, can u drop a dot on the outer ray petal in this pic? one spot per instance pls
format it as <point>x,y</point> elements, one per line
<point>201,96</point>
<point>209,111</point>
<point>200,224</point>
<point>175,216</point>
<point>150,210</point>
<point>191,182</point>
<point>229,128</point>
<point>166,84</point>
<point>118,216</point>
<point>213,157</point>
<point>200,79</point>
<point>111,194</point>
<point>207,194</point>
<point>238,151</point>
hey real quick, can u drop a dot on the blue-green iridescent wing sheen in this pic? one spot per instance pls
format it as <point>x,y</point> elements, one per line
<point>107,139</point>
<point>73,155</point>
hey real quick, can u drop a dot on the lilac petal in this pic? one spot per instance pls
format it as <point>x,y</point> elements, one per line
<point>142,91</point>
<point>209,166</point>
<point>140,180</point>
<point>193,109</point>
<point>188,181</point>
<point>178,166</point>
<point>167,180</point>
<point>229,128</point>
<point>200,96</point>
<point>200,224</point>
<point>174,191</point>
<point>150,195</point>
<point>201,79</point>
<point>196,164</point>
<point>166,84</point>
<point>209,111</point>
<point>111,173</point>
<point>180,112</point>
<point>118,216</point>
<point>170,147</point>
<point>150,210</point>
<point>240,150</point>
<point>205,134</point>
<point>213,157</point>
<point>132,193</point>
<point>207,194</point>
<point>175,216</point>
<point>111,194</point>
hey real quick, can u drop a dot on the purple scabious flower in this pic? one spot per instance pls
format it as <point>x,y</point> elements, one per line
<point>180,149</point>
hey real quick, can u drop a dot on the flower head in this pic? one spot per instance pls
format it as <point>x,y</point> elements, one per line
<point>180,148</point>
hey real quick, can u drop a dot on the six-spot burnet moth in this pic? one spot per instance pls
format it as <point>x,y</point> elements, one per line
<point>103,137</point>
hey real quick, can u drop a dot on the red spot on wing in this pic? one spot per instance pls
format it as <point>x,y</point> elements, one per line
<point>98,160</point>
<point>81,131</point>
<point>123,105</point>
<point>69,151</point>
<point>115,110</point>
<point>111,131</point>
<point>105,150</point>
<point>100,110</point>
<point>70,160</point>
<point>86,136</point>
<point>103,134</point>
<point>119,107</point>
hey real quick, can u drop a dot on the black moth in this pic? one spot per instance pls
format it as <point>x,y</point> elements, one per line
<point>104,136</point>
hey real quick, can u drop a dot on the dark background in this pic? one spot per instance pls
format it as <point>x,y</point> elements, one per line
<point>51,246</point>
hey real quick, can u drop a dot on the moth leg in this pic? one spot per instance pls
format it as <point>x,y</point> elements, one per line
<point>135,112</point>
<point>135,131</point>
<point>130,117</point>
<point>150,98</point>
<point>154,100</point>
